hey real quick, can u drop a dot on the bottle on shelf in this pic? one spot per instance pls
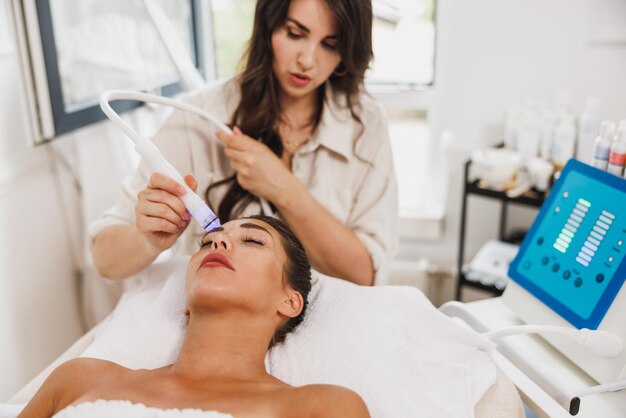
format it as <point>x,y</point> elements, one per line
<point>602,145</point>
<point>549,118</point>
<point>588,126</point>
<point>617,156</point>
<point>564,145</point>
<point>512,118</point>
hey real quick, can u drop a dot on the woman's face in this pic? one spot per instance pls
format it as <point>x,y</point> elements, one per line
<point>240,264</point>
<point>305,48</point>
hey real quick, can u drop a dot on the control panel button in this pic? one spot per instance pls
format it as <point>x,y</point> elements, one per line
<point>600,278</point>
<point>567,274</point>
<point>545,261</point>
<point>578,282</point>
<point>556,267</point>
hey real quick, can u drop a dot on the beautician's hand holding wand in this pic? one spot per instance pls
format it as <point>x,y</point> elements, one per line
<point>331,246</point>
<point>161,217</point>
<point>160,214</point>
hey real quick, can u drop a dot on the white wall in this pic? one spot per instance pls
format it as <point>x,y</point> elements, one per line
<point>38,296</point>
<point>495,53</point>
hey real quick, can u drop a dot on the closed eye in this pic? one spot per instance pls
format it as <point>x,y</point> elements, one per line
<point>293,35</point>
<point>251,240</point>
<point>202,243</point>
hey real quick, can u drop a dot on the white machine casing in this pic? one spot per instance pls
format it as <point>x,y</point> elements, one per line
<point>533,311</point>
<point>570,269</point>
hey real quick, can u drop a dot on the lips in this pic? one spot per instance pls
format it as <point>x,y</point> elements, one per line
<point>301,76</point>
<point>299,79</point>
<point>216,260</point>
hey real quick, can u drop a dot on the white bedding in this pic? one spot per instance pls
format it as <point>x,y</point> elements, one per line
<point>389,344</point>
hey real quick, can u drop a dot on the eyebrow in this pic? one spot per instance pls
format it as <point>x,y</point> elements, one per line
<point>250,225</point>
<point>245,225</point>
<point>307,30</point>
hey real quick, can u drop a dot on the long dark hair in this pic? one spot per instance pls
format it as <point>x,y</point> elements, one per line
<point>296,272</point>
<point>259,109</point>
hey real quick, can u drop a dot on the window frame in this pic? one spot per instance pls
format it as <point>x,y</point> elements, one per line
<point>61,120</point>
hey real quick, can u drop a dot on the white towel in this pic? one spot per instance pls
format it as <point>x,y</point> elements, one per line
<point>145,331</point>
<point>10,410</point>
<point>127,409</point>
<point>388,343</point>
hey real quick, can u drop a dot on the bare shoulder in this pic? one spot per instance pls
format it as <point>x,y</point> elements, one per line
<point>75,375</point>
<point>65,384</point>
<point>79,369</point>
<point>333,401</point>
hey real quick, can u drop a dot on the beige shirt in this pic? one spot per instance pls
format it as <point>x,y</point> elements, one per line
<point>346,167</point>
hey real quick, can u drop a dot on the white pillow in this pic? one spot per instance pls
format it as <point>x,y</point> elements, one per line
<point>387,343</point>
<point>145,331</point>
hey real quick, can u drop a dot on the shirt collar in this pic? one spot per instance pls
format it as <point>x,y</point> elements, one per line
<point>336,128</point>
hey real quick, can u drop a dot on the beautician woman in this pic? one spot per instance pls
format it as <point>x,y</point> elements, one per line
<point>307,138</point>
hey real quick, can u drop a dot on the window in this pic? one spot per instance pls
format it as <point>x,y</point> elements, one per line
<point>402,77</point>
<point>232,27</point>
<point>404,43</point>
<point>78,48</point>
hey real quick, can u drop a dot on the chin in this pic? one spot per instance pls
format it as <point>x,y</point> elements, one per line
<point>212,295</point>
<point>210,284</point>
<point>295,92</point>
<point>299,93</point>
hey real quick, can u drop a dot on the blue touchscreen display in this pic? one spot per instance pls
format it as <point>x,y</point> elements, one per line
<point>572,258</point>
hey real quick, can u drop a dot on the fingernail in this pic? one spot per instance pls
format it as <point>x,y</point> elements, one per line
<point>187,216</point>
<point>181,190</point>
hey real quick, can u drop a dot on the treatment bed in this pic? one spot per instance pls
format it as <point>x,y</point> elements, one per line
<point>390,345</point>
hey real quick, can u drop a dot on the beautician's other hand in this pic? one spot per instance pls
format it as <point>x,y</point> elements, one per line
<point>160,215</point>
<point>259,170</point>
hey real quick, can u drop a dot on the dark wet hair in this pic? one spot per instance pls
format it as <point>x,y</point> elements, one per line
<point>296,272</point>
<point>259,110</point>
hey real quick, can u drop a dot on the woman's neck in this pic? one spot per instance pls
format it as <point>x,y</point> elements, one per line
<point>224,346</point>
<point>299,113</point>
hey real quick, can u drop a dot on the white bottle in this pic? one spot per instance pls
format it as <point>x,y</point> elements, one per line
<point>511,122</point>
<point>547,134</point>
<point>588,126</point>
<point>617,157</point>
<point>564,144</point>
<point>528,136</point>
<point>602,145</point>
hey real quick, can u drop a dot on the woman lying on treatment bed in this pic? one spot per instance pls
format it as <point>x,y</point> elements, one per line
<point>246,288</point>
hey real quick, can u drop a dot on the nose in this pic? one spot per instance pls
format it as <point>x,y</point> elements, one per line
<point>221,241</point>
<point>306,57</point>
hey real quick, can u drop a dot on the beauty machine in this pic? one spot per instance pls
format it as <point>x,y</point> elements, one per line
<point>570,270</point>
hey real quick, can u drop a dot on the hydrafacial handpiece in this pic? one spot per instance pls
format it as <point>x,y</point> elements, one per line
<point>198,209</point>
<point>155,160</point>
